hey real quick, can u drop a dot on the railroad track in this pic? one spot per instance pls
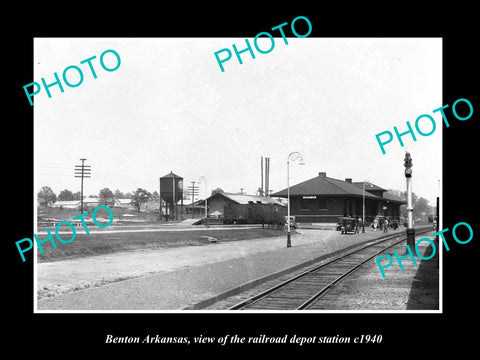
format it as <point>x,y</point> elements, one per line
<point>302,290</point>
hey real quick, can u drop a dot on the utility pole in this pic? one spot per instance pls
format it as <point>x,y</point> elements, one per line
<point>408,175</point>
<point>82,171</point>
<point>295,155</point>
<point>204,179</point>
<point>192,190</point>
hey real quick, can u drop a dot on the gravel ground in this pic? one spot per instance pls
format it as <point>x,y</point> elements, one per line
<point>54,278</point>
<point>416,287</point>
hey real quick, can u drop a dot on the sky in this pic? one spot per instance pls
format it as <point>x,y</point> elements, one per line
<point>168,107</point>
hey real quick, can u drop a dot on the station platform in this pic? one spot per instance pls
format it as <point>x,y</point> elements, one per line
<point>228,269</point>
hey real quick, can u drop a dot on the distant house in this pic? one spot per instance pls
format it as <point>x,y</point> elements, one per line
<point>123,203</point>
<point>67,204</point>
<point>91,203</point>
<point>88,203</point>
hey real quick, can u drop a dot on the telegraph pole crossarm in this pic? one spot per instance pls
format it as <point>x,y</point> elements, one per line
<point>192,190</point>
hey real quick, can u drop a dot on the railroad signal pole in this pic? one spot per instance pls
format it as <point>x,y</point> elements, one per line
<point>408,175</point>
<point>82,171</point>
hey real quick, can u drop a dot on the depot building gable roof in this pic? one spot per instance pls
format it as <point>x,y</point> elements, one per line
<point>385,194</point>
<point>393,198</point>
<point>368,186</point>
<point>323,185</point>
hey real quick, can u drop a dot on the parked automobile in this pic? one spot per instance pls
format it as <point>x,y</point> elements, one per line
<point>393,224</point>
<point>347,225</point>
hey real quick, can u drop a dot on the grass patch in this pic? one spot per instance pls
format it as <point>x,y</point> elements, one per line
<point>107,243</point>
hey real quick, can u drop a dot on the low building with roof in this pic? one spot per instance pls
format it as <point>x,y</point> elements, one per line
<point>323,199</point>
<point>216,203</point>
<point>123,203</point>
<point>67,204</point>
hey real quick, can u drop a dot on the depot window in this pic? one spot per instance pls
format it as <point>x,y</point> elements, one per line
<point>308,204</point>
<point>322,204</point>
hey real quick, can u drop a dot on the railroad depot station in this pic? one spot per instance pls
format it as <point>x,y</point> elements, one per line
<point>321,199</point>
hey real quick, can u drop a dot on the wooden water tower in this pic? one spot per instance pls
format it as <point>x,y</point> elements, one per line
<point>171,191</point>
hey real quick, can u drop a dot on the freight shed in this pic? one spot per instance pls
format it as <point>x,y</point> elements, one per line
<point>239,208</point>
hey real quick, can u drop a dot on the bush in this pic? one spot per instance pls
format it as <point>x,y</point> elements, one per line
<point>277,219</point>
<point>257,215</point>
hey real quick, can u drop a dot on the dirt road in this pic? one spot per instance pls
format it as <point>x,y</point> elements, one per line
<point>54,278</point>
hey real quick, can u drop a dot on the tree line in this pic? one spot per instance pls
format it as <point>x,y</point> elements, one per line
<point>46,196</point>
<point>106,197</point>
<point>420,204</point>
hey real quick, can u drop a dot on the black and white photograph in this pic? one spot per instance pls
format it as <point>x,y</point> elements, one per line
<point>279,185</point>
<point>224,188</point>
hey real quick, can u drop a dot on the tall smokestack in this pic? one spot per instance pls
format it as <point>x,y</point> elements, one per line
<point>267,175</point>
<point>261,175</point>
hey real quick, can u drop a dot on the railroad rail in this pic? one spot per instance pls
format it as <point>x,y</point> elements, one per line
<point>302,290</point>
